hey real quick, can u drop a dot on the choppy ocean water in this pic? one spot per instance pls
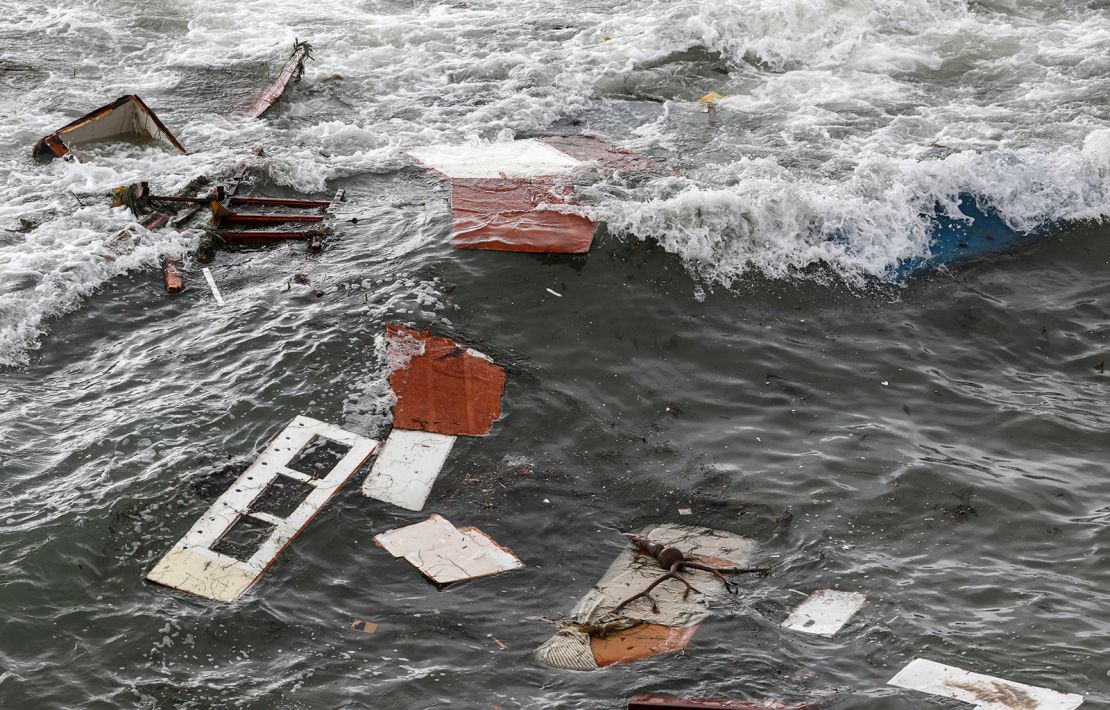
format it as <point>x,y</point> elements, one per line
<point>939,445</point>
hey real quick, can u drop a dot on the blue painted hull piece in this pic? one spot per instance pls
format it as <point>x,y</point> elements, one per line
<point>955,241</point>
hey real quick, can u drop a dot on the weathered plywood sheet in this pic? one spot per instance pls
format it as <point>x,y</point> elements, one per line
<point>442,387</point>
<point>407,468</point>
<point>127,115</point>
<point>446,554</point>
<point>510,159</point>
<point>193,566</point>
<point>983,691</point>
<point>824,612</point>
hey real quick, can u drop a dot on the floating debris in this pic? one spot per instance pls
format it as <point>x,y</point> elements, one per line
<point>293,70</point>
<point>366,627</point>
<point>407,468</point>
<point>615,623</point>
<point>824,612</point>
<point>668,702</point>
<point>446,554</point>
<point>212,285</point>
<point>441,386</point>
<point>127,116</point>
<point>498,189</point>
<point>248,526</point>
<point>983,691</point>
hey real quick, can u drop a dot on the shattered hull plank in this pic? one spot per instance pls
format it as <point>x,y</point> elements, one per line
<point>442,387</point>
<point>983,691</point>
<point>291,71</point>
<point>407,468</point>
<point>446,554</point>
<point>125,116</point>
<point>193,566</point>
<point>640,630</point>
<point>824,612</point>
<point>511,159</point>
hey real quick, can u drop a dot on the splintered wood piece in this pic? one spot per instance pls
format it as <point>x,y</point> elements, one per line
<point>667,702</point>
<point>441,386</point>
<point>407,468</point>
<point>193,566</point>
<point>446,554</point>
<point>291,71</point>
<point>173,276</point>
<point>983,691</point>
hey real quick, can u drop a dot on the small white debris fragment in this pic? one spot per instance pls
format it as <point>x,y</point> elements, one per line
<point>983,691</point>
<point>407,468</point>
<point>824,612</point>
<point>555,293</point>
<point>885,383</point>
<point>685,511</point>
<point>212,285</point>
<point>446,554</point>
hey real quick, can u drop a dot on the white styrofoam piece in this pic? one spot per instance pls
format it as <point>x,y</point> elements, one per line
<point>983,691</point>
<point>407,467</point>
<point>514,159</point>
<point>192,566</point>
<point>824,612</point>
<point>212,285</point>
<point>448,554</point>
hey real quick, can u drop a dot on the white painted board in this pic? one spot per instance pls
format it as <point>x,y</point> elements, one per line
<point>824,612</point>
<point>513,159</point>
<point>212,285</point>
<point>983,691</point>
<point>407,467</point>
<point>193,566</point>
<point>447,554</point>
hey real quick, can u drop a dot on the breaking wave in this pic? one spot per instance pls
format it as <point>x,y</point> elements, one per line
<point>843,123</point>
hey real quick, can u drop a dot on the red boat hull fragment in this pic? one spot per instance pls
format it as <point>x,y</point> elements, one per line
<point>502,214</point>
<point>445,389</point>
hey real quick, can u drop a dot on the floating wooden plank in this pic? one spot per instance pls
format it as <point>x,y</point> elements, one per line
<point>264,236</point>
<point>212,285</point>
<point>126,116</point>
<point>504,215</point>
<point>407,468</point>
<point>641,631</point>
<point>194,566</point>
<point>983,691</point>
<point>441,386</point>
<point>668,702</point>
<point>824,612</point>
<point>291,71</point>
<point>445,554</point>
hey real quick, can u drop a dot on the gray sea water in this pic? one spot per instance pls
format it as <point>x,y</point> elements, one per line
<point>939,445</point>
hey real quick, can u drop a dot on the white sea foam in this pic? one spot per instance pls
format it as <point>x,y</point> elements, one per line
<point>843,122</point>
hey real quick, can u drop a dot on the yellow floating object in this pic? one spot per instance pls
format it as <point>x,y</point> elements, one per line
<point>710,98</point>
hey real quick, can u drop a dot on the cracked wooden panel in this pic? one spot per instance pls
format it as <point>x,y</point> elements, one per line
<point>983,691</point>
<point>640,629</point>
<point>407,468</point>
<point>446,554</point>
<point>226,551</point>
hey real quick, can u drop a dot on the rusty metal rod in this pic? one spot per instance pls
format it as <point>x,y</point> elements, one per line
<point>279,202</point>
<point>260,236</point>
<point>247,218</point>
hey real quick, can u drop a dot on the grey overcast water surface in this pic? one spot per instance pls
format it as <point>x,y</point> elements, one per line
<point>940,446</point>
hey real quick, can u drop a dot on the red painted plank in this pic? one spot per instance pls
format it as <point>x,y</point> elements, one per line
<point>501,214</point>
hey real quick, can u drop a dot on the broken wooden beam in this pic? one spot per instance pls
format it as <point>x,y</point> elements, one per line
<point>258,236</point>
<point>668,702</point>
<point>279,202</point>
<point>291,71</point>
<point>229,217</point>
